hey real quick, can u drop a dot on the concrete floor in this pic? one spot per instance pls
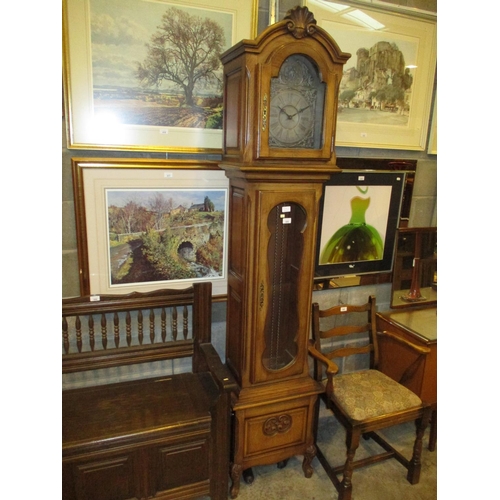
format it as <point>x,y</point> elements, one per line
<point>383,481</point>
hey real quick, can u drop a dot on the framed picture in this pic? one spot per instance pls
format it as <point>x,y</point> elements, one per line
<point>408,166</point>
<point>432,147</point>
<point>146,224</point>
<point>268,12</point>
<point>146,74</point>
<point>385,94</point>
<point>358,222</point>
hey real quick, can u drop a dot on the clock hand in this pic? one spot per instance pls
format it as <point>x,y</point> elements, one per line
<point>287,115</point>
<point>300,110</point>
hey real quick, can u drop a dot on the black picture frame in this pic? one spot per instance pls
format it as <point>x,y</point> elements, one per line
<point>381,195</point>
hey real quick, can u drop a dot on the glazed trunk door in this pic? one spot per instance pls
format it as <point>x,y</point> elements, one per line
<point>284,283</point>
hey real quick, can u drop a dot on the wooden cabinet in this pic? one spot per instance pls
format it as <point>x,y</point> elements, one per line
<point>280,104</point>
<point>420,327</point>
<point>136,443</point>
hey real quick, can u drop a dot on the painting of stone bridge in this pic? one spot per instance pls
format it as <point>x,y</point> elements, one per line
<point>166,234</point>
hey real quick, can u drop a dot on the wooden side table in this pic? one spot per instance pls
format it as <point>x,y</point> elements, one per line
<point>420,327</point>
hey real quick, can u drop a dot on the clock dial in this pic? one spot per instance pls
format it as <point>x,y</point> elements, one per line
<point>291,117</point>
<point>296,105</point>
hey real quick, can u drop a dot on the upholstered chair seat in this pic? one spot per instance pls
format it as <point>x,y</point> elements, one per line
<point>369,394</point>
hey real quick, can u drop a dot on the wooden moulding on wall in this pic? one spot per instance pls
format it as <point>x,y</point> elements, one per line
<point>149,224</point>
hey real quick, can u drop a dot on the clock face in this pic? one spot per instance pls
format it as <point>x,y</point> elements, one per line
<point>292,117</point>
<point>296,105</point>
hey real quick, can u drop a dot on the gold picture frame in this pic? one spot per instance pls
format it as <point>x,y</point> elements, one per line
<point>432,147</point>
<point>379,106</point>
<point>104,42</point>
<point>145,224</point>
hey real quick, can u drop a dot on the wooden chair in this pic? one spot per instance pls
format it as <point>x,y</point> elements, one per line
<point>367,400</point>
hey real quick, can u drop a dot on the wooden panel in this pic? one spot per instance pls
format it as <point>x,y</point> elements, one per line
<point>275,430</point>
<point>106,479</point>
<point>235,347</point>
<point>179,464</point>
<point>232,127</point>
<point>237,233</point>
<point>395,358</point>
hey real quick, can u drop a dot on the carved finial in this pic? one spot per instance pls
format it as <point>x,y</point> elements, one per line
<point>301,22</point>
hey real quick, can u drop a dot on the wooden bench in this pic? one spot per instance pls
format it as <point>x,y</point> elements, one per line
<point>163,437</point>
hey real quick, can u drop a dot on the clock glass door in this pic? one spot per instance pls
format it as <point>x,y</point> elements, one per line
<point>286,223</point>
<point>296,105</point>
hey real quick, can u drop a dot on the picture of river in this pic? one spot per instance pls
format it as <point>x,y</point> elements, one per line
<point>165,234</point>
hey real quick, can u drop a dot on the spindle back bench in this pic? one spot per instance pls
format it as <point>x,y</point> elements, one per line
<point>165,436</point>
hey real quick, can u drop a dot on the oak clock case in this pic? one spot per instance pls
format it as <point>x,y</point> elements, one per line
<point>280,102</point>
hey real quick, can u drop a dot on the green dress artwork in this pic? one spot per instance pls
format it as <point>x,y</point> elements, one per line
<point>355,241</point>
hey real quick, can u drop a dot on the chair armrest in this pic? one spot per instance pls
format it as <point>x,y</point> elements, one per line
<point>212,362</point>
<point>420,349</point>
<point>331,367</point>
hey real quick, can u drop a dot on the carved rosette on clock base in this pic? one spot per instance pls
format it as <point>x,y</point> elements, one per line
<point>280,106</point>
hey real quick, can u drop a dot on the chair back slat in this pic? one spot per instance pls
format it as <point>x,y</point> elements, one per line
<point>344,352</point>
<point>344,309</point>
<point>116,329</point>
<point>78,333</point>
<point>128,328</point>
<point>140,327</point>
<point>340,331</point>
<point>152,326</point>
<point>65,335</point>
<point>343,331</point>
<point>91,332</point>
<point>104,331</point>
<point>163,324</point>
<point>185,320</point>
<point>174,323</point>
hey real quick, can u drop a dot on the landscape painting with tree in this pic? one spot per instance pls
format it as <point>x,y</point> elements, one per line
<point>165,234</point>
<point>157,64</point>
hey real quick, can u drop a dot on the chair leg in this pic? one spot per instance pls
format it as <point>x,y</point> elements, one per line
<point>352,442</point>
<point>415,464</point>
<point>433,435</point>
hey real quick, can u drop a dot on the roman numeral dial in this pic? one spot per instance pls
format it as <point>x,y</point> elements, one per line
<point>291,117</point>
<point>296,105</point>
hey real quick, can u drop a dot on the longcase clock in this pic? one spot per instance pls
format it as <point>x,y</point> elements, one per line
<point>280,105</point>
